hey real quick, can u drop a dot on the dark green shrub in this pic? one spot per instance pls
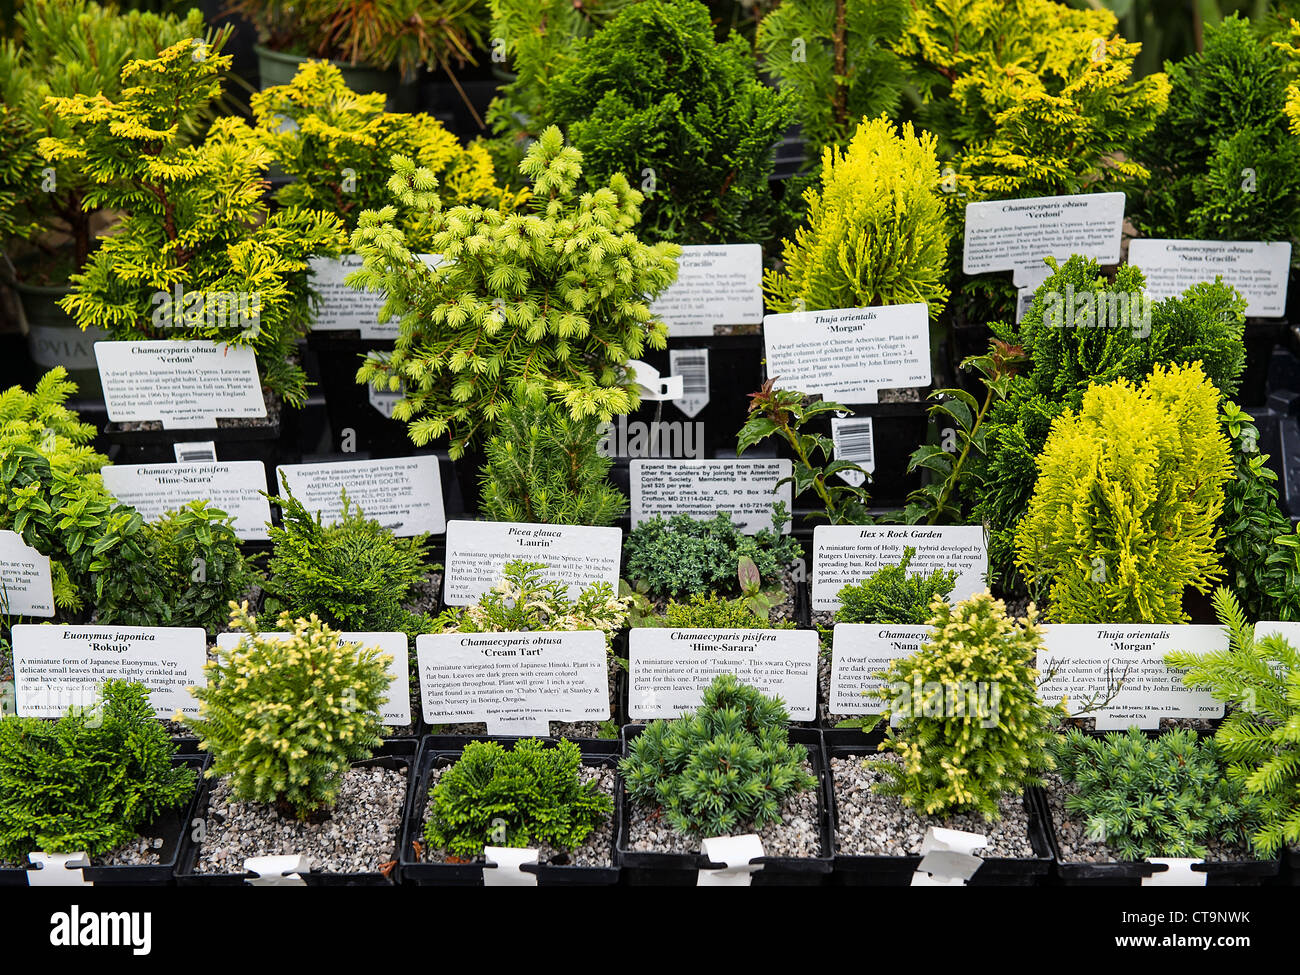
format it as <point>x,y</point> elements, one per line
<point>891,595</point>
<point>711,613</point>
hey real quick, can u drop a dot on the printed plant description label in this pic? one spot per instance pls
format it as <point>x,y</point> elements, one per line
<point>396,709</point>
<point>1086,660</point>
<point>513,678</point>
<point>26,586</point>
<point>1002,235</point>
<point>859,651</point>
<point>849,354</point>
<point>577,555</point>
<point>1289,631</point>
<point>1258,270</point>
<point>185,385</point>
<point>57,667</point>
<point>847,554</point>
<point>717,284</point>
<point>233,486</point>
<point>343,308</point>
<point>404,494</point>
<point>670,669</point>
<point>744,489</point>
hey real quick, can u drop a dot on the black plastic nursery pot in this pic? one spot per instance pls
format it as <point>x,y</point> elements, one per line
<point>444,750</point>
<point>682,869</point>
<point>897,871</point>
<point>351,415</point>
<point>172,827</point>
<point>394,753</point>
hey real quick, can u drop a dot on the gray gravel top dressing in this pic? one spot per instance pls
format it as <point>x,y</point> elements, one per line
<point>359,837</point>
<point>796,835</point>
<point>143,850</point>
<point>876,825</point>
<point>596,850</point>
<point>1075,845</point>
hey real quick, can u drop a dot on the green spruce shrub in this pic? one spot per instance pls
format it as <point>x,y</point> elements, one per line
<point>678,556</point>
<point>654,97</point>
<point>893,596</point>
<point>353,573</point>
<point>1161,797</point>
<point>195,222</point>
<point>285,719</point>
<point>1259,739</point>
<point>726,769</point>
<point>1224,164</point>
<point>545,467</point>
<point>973,729</point>
<point>88,781</point>
<point>554,294</point>
<point>514,797</point>
<point>1130,489</point>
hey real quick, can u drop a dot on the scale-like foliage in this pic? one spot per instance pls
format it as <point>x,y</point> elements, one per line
<point>973,729</point>
<point>545,467</point>
<point>552,294</point>
<point>892,595</point>
<point>1162,797</point>
<point>285,719</point>
<point>88,781</point>
<point>1124,515</point>
<point>726,769</point>
<point>876,232</point>
<point>1259,680</point>
<point>514,797</point>
<point>195,219</point>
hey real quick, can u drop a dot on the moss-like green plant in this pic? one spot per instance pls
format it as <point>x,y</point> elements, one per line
<point>711,613</point>
<point>544,466</point>
<point>1225,165</point>
<point>1259,681</point>
<point>652,95</point>
<point>284,719</point>
<point>726,769</point>
<point>1162,797</point>
<point>1124,515</point>
<point>893,596</point>
<point>195,219</point>
<point>876,231</point>
<point>973,729</point>
<point>677,556</point>
<point>353,573</point>
<point>514,797</point>
<point>89,780</point>
<point>553,294</point>
<point>327,138</point>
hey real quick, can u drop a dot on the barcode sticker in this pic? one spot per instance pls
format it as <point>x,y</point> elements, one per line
<point>194,453</point>
<point>854,440</point>
<point>693,366</point>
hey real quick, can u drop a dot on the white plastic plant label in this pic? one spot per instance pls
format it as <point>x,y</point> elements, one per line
<point>540,676</point>
<point>736,854</point>
<point>396,709</point>
<point>1257,269</point>
<point>277,871</point>
<point>577,555</point>
<point>183,384</point>
<point>200,451</point>
<point>1002,235</point>
<point>26,586</point>
<point>693,366</point>
<point>669,669</point>
<point>846,554</point>
<point>502,868</point>
<point>948,857</point>
<point>344,308</point>
<point>58,869</point>
<point>58,666</point>
<point>854,439</point>
<point>1178,874</point>
<point>860,651</point>
<point>717,284</point>
<point>745,489</point>
<point>234,486</point>
<point>1087,663</point>
<point>849,354</point>
<point>653,386</point>
<point>404,494</point>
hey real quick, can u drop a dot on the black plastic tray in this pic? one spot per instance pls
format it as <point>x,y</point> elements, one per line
<point>446,749</point>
